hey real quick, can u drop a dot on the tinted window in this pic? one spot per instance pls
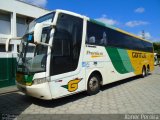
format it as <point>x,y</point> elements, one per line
<point>116,39</point>
<point>121,40</point>
<point>148,46</point>
<point>66,44</point>
<point>96,34</point>
<point>100,35</point>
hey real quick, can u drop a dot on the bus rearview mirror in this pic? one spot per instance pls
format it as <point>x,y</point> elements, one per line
<point>38,32</point>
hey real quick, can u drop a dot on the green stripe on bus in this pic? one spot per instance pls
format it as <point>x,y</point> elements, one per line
<point>28,78</point>
<point>116,60</point>
<point>125,59</point>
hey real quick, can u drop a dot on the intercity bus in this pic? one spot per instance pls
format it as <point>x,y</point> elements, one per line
<point>74,53</point>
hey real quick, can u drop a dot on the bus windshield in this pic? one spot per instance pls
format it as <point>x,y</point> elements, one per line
<point>36,61</point>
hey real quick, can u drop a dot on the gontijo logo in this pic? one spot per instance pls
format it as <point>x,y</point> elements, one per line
<point>138,55</point>
<point>72,84</point>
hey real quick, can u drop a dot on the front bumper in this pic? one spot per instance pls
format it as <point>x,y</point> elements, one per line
<point>40,91</point>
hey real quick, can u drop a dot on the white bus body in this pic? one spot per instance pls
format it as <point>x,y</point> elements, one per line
<point>65,73</point>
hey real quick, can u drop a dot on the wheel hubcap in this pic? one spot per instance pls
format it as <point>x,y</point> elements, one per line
<point>93,83</point>
<point>143,72</point>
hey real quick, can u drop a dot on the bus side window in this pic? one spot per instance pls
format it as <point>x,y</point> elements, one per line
<point>103,41</point>
<point>96,34</point>
<point>92,40</point>
<point>66,44</point>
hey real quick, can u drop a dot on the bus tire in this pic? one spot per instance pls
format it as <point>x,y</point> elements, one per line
<point>93,85</point>
<point>143,72</point>
<point>147,70</point>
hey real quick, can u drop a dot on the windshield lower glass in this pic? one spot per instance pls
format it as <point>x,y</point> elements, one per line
<point>35,61</point>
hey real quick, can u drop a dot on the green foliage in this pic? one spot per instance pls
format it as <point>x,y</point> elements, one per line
<point>156,46</point>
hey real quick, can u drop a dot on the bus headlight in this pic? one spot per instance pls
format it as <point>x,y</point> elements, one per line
<point>41,80</point>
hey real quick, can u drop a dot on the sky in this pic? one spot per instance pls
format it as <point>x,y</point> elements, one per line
<point>130,15</point>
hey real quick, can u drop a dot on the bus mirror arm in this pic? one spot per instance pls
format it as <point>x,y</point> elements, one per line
<point>45,44</point>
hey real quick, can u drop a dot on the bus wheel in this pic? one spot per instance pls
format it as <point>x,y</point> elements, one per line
<point>93,85</point>
<point>143,71</point>
<point>148,70</point>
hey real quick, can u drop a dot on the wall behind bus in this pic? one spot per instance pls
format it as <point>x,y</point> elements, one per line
<point>15,15</point>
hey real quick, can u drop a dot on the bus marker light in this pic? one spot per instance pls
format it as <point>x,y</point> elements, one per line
<point>58,80</point>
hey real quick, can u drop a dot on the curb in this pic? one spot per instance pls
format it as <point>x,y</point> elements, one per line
<point>9,89</point>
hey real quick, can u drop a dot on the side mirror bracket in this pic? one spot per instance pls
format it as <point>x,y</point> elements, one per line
<point>38,32</point>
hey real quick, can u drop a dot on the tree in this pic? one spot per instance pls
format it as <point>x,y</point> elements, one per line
<point>156,46</point>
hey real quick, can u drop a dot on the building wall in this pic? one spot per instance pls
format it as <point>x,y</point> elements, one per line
<point>5,23</point>
<point>14,18</point>
<point>15,15</point>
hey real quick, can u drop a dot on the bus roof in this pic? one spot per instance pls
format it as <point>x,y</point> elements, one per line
<point>71,13</point>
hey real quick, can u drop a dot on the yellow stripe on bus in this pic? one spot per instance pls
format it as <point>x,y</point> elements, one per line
<point>96,56</point>
<point>138,59</point>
